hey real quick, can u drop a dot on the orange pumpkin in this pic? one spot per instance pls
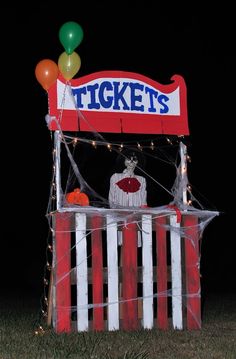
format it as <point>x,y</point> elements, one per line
<point>77,197</point>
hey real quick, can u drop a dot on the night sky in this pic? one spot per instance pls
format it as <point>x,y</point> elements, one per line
<point>153,40</point>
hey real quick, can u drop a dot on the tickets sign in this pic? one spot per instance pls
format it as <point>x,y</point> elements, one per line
<point>119,101</point>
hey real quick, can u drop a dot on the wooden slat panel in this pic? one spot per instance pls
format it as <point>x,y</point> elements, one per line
<point>147,272</point>
<point>129,277</point>
<point>62,272</point>
<point>162,309</point>
<point>81,271</point>
<point>192,272</point>
<point>175,242</point>
<point>97,272</point>
<point>112,267</point>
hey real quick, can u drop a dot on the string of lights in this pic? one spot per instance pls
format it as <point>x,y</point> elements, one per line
<point>160,141</point>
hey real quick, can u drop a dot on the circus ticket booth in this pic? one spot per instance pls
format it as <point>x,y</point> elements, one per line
<point>120,263</point>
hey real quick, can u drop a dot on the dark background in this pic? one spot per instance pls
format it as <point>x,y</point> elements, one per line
<point>148,38</point>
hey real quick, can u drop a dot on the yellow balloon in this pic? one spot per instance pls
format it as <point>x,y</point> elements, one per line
<point>69,65</point>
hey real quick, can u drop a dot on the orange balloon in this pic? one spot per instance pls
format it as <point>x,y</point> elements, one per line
<point>46,73</point>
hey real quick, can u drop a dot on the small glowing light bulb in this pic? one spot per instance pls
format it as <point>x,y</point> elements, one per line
<point>139,146</point>
<point>75,140</point>
<point>94,144</point>
<point>48,266</point>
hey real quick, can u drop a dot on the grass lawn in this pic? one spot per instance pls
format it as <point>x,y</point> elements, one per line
<point>216,339</point>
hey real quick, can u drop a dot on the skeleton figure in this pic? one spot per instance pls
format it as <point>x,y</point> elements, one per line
<point>128,189</point>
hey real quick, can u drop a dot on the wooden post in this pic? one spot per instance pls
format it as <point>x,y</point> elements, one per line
<point>183,159</point>
<point>81,272</point>
<point>62,271</point>
<point>162,308</point>
<point>129,277</point>
<point>50,291</point>
<point>97,272</point>
<point>176,273</point>
<point>192,265</point>
<point>112,275</point>
<point>57,163</point>
<point>147,272</point>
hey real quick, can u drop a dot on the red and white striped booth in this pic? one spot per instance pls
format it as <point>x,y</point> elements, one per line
<point>97,284</point>
<point>162,290</point>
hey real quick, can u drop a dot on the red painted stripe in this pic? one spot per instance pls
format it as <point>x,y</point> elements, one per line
<point>97,272</point>
<point>162,312</point>
<point>192,272</point>
<point>129,277</point>
<point>62,227</point>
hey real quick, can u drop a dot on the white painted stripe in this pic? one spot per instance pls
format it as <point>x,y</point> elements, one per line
<point>112,270</point>
<point>183,157</point>
<point>147,272</point>
<point>82,272</point>
<point>54,288</point>
<point>57,161</point>
<point>175,240</point>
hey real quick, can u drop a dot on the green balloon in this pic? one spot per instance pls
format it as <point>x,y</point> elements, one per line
<point>70,34</point>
